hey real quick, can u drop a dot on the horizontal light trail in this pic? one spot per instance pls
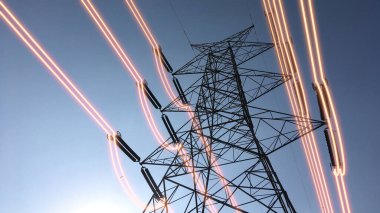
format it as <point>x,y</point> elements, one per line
<point>121,53</point>
<point>169,91</point>
<point>63,79</point>
<point>295,90</point>
<point>329,109</point>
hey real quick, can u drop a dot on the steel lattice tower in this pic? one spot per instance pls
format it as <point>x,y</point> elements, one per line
<point>240,135</point>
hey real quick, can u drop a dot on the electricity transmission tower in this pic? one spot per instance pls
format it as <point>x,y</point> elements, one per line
<point>228,133</point>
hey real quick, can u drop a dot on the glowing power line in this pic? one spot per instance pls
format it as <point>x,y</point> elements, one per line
<point>159,58</point>
<point>52,66</point>
<point>121,53</point>
<point>295,90</point>
<point>328,107</point>
<point>42,55</point>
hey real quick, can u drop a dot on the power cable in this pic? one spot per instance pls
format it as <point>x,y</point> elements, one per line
<point>258,39</point>
<point>181,25</point>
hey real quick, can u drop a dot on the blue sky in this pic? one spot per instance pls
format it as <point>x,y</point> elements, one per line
<point>53,158</point>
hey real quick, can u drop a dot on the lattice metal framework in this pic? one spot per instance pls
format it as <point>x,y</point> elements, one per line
<point>240,135</point>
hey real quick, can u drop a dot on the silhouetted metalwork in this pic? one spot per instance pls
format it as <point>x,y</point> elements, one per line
<point>123,146</point>
<point>152,98</point>
<point>163,60</point>
<point>222,93</point>
<point>329,147</point>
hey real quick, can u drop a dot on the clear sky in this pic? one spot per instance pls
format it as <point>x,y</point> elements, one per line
<point>53,158</point>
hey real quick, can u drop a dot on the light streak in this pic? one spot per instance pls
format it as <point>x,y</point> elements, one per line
<point>120,173</point>
<point>152,41</point>
<point>305,112</point>
<point>26,37</point>
<point>301,107</point>
<point>121,53</point>
<point>90,8</point>
<point>319,78</point>
<point>48,62</point>
<point>292,101</point>
<point>327,102</point>
<point>168,88</point>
